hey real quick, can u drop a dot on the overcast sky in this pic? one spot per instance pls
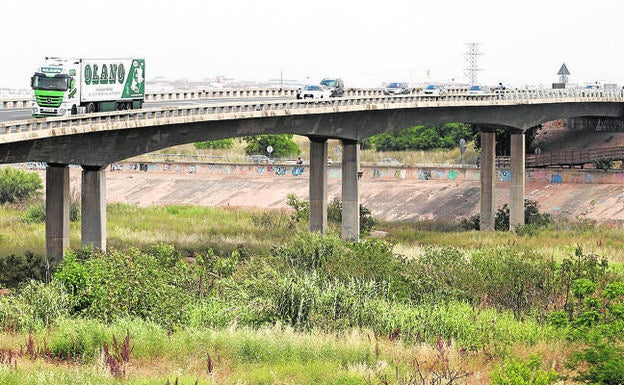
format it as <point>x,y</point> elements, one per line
<point>366,42</point>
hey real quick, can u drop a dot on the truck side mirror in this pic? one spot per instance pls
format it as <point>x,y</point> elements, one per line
<point>32,82</point>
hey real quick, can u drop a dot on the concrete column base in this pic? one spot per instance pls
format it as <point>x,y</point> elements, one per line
<point>93,201</point>
<point>488,169</point>
<point>318,184</point>
<point>57,211</point>
<point>516,207</point>
<point>350,191</point>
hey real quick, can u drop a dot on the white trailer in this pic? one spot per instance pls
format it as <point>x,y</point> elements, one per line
<point>65,86</point>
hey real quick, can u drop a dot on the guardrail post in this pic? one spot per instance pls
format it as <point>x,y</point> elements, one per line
<point>93,202</point>
<point>318,184</point>
<point>350,191</point>
<point>57,211</point>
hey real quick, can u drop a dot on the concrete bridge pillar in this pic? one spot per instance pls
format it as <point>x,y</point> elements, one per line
<point>93,202</point>
<point>318,184</point>
<point>350,191</point>
<point>488,169</point>
<point>57,211</point>
<point>516,208</point>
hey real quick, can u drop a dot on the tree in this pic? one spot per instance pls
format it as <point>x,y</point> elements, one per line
<point>283,145</point>
<point>219,144</point>
<point>421,138</point>
<point>503,140</point>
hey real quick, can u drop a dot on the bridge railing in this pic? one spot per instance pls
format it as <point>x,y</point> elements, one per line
<point>452,94</point>
<point>208,111</point>
<point>25,101</point>
<point>569,158</point>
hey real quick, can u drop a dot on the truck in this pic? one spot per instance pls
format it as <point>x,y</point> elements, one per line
<point>66,86</point>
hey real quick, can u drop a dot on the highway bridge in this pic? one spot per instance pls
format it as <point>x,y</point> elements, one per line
<point>97,140</point>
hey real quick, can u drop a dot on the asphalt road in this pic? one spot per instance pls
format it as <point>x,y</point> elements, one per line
<point>25,113</point>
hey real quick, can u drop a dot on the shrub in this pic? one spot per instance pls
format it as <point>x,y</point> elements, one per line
<point>133,283</point>
<point>36,212</point>
<point>521,372</point>
<point>310,250</point>
<point>35,305</point>
<point>518,280</point>
<point>533,219</point>
<point>558,319</point>
<point>15,269</point>
<point>19,187</point>
<point>604,164</point>
<point>77,338</point>
<point>439,274</point>
<point>600,363</point>
<point>302,208</point>
<point>334,213</point>
<point>473,222</point>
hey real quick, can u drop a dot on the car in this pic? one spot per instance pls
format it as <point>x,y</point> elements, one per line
<point>433,89</point>
<point>313,91</point>
<point>396,88</point>
<point>260,159</point>
<point>475,89</point>
<point>335,85</point>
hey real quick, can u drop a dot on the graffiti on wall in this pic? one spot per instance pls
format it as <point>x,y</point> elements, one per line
<point>589,178</point>
<point>424,175</point>
<point>503,175</point>
<point>556,178</point>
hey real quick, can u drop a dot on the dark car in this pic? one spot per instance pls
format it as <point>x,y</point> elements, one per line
<point>336,85</point>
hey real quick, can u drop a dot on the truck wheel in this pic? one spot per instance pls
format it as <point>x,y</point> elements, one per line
<point>129,106</point>
<point>74,110</point>
<point>90,108</point>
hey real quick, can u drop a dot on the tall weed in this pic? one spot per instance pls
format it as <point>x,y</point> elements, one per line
<point>34,306</point>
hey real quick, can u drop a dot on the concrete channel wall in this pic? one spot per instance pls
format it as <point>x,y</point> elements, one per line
<point>369,172</point>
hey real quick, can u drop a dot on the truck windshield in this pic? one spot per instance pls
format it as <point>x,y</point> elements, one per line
<point>56,83</point>
<point>328,83</point>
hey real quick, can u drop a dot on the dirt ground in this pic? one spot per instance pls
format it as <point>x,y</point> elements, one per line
<point>393,200</point>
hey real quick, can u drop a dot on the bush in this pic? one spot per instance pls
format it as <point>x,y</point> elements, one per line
<point>533,219</point>
<point>521,372</point>
<point>19,187</point>
<point>310,250</point>
<point>334,213</point>
<point>113,285</point>
<point>604,164</point>
<point>600,363</point>
<point>35,305</point>
<point>512,279</point>
<point>302,208</point>
<point>15,269</point>
<point>36,212</point>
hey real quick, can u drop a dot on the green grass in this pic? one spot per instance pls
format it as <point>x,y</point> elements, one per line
<point>557,242</point>
<point>279,354</point>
